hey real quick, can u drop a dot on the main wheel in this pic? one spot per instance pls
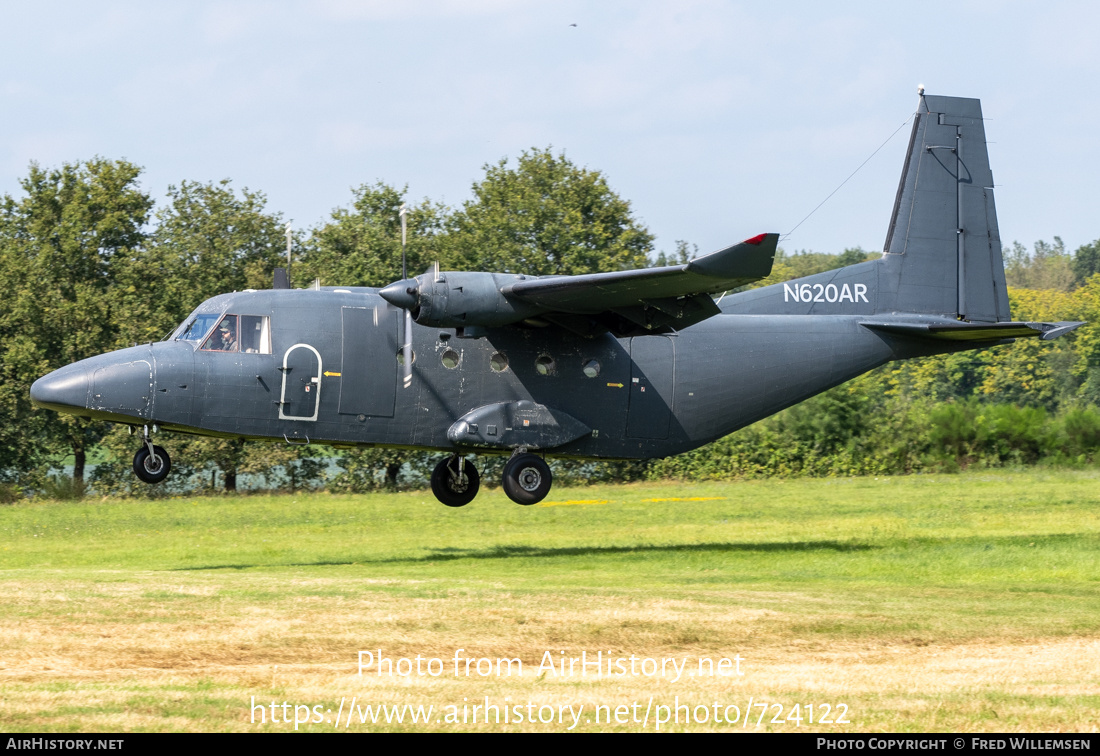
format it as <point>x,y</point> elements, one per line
<point>453,488</point>
<point>152,468</point>
<point>527,479</point>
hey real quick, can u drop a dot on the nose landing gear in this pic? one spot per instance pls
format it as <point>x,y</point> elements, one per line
<point>151,463</point>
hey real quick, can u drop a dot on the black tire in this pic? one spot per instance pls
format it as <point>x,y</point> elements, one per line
<point>527,479</point>
<point>152,468</point>
<point>449,488</point>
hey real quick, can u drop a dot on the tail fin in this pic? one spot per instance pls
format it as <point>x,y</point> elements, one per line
<point>941,276</point>
<point>943,250</point>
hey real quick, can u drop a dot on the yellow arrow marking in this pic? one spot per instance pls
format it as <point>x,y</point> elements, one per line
<point>614,385</point>
<point>331,374</point>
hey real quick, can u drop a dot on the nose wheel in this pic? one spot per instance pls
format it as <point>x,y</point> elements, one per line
<point>151,464</point>
<point>455,481</point>
<point>527,479</point>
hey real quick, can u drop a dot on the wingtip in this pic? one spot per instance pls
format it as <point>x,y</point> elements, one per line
<point>760,238</point>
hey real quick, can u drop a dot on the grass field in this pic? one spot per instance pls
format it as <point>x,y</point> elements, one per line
<point>928,603</point>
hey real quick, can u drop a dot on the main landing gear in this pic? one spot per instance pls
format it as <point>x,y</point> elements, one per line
<point>151,463</point>
<point>527,479</point>
<point>455,481</point>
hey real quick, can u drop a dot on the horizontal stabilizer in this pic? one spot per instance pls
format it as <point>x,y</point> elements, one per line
<point>961,331</point>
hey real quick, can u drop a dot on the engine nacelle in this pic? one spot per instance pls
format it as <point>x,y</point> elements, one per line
<point>455,299</point>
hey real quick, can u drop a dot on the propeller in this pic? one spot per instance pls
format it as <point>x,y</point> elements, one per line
<point>406,348</point>
<point>406,295</point>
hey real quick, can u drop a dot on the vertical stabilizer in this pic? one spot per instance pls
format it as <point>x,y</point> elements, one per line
<point>943,250</point>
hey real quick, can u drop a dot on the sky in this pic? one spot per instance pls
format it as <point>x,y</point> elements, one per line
<point>716,119</point>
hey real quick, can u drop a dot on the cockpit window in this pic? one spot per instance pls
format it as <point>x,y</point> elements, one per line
<point>224,337</point>
<point>197,328</point>
<point>241,333</point>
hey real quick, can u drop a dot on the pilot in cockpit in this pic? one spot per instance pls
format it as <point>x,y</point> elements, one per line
<point>225,338</point>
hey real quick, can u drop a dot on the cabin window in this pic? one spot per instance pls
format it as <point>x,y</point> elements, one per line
<point>250,334</point>
<point>545,365</point>
<point>450,359</point>
<point>255,334</point>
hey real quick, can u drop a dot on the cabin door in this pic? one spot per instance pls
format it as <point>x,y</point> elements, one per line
<point>652,374</point>
<point>368,374</point>
<point>301,393</point>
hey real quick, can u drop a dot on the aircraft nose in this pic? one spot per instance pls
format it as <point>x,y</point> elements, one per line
<point>401,294</point>
<point>62,390</point>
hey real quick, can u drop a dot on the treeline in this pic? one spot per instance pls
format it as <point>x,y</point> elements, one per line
<point>90,263</point>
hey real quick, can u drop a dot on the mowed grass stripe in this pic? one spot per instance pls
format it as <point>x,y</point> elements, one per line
<point>910,597</point>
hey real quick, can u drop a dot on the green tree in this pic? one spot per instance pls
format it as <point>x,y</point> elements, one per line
<point>547,216</point>
<point>61,245</point>
<point>684,253</point>
<point>1086,261</point>
<point>361,245</point>
<point>209,239</point>
<point>1049,266</point>
<point>853,255</point>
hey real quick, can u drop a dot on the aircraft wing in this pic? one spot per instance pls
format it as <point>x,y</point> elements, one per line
<point>627,303</point>
<point>650,300</point>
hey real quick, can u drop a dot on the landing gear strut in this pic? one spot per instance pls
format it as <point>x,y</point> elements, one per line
<point>455,481</point>
<point>151,463</point>
<point>527,479</point>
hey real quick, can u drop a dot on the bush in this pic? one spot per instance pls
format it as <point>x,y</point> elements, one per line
<point>961,434</point>
<point>61,487</point>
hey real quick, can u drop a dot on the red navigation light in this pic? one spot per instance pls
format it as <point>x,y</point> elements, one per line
<point>755,240</point>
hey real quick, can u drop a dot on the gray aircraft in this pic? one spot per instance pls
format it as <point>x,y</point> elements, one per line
<point>623,365</point>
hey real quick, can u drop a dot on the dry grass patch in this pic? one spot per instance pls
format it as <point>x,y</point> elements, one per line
<point>209,653</point>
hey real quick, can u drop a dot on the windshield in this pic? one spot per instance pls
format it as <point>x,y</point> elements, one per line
<point>197,328</point>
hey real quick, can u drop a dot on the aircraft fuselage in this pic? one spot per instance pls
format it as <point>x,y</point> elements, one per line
<point>332,375</point>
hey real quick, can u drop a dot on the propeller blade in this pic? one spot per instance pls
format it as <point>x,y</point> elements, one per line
<point>407,349</point>
<point>404,296</point>
<point>402,213</point>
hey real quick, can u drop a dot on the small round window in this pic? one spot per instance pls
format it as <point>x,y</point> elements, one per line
<point>401,356</point>
<point>592,368</point>
<point>450,359</point>
<point>545,365</point>
<point>498,363</point>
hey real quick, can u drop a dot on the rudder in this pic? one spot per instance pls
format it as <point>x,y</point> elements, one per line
<point>943,249</point>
